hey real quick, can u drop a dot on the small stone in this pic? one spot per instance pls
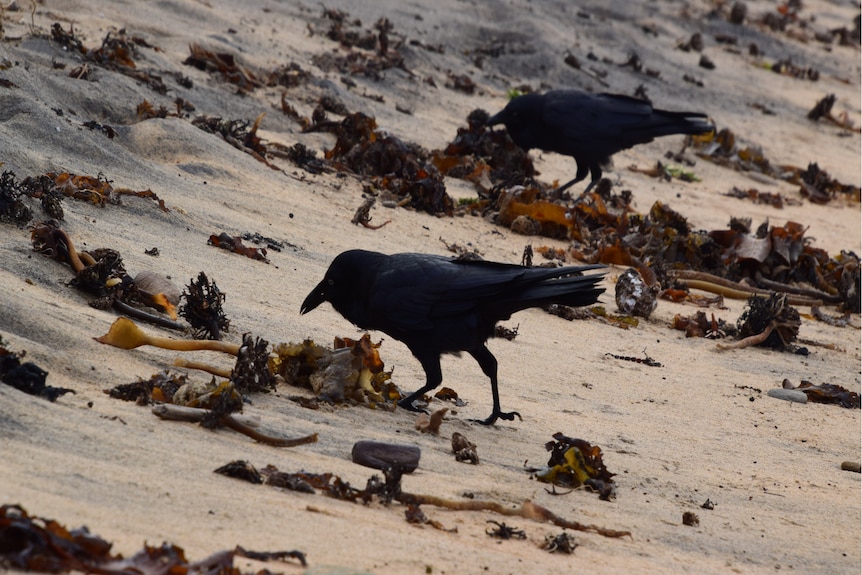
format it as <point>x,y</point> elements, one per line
<point>378,455</point>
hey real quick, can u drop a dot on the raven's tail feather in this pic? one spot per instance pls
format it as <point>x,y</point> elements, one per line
<point>568,290</point>
<point>664,123</point>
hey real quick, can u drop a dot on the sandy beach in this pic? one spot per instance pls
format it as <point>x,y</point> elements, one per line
<point>699,428</point>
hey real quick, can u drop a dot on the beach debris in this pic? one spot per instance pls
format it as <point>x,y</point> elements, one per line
<point>774,199</point>
<point>823,109</point>
<point>826,393</point>
<point>240,469</point>
<point>507,333</point>
<point>161,387</point>
<point>381,455</point>
<point>698,325</point>
<point>39,544</point>
<point>234,244</point>
<point>431,423</point>
<point>363,214</point>
<point>666,172</point>
<point>563,542</point>
<point>225,65</point>
<point>769,322</point>
<point>503,531</point>
<point>483,156</point>
<point>251,373</point>
<point>12,207</point>
<point>853,466</point>
<point>203,308</point>
<point>125,334</point>
<point>595,312</point>
<point>212,405</point>
<point>576,463</point>
<point>116,53</point>
<point>636,291</point>
<point>449,394</point>
<point>98,190</point>
<point>464,449</point>
<point>690,519</point>
<point>645,360</point>
<point>361,51</point>
<point>223,400</point>
<point>414,514</point>
<point>27,376</point>
<point>158,291</point>
<point>720,147</point>
<point>238,134</point>
<point>334,486</point>
<point>793,395</point>
<point>351,371</point>
<point>708,505</point>
<point>392,165</point>
<point>101,273</point>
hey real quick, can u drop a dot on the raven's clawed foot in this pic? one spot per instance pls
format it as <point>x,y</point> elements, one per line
<point>407,403</point>
<point>508,416</point>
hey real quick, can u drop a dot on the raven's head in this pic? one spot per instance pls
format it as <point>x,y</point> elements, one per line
<point>341,282</point>
<point>522,117</point>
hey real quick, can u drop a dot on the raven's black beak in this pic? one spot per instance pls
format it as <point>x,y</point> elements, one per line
<point>314,299</point>
<point>498,118</point>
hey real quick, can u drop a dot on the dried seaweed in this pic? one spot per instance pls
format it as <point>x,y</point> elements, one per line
<point>720,147</point>
<point>827,393</point>
<point>251,372</point>
<point>484,156</point>
<point>401,168</point>
<point>12,207</point>
<point>27,376</point>
<point>464,449</point>
<point>351,371</point>
<point>203,308</point>
<point>224,64</point>
<point>100,273</point>
<point>503,531</point>
<point>159,388</point>
<point>234,244</point>
<point>575,463</point>
<point>238,134</point>
<point>390,490</point>
<point>116,53</point>
<point>774,199</point>
<point>699,326</point>
<point>38,544</point>
<point>362,52</point>
<point>769,322</point>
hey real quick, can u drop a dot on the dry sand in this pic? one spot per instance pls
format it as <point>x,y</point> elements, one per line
<point>693,430</point>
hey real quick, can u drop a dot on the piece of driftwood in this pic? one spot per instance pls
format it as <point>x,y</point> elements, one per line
<point>176,412</point>
<point>195,414</point>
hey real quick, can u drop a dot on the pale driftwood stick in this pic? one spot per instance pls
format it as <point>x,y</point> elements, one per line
<point>232,422</point>
<point>750,340</point>
<point>221,372</point>
<point>195,414</point>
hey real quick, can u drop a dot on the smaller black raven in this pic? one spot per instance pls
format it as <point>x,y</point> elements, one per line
<point>590,127</point>
<point>437,305</point>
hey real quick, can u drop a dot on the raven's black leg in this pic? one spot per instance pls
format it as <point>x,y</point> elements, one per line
<point>488,363</point>
<point>433,378</point>
<point>596,175</point>
<point>580,175</point>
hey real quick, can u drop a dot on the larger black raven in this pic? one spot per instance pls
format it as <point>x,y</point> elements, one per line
<point>437,305</point>
<point>590,127</point>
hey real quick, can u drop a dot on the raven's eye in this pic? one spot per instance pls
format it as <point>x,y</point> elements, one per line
<point>330,282</point>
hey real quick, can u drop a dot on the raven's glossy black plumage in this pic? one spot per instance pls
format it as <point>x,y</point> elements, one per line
<point>436,305</point>
<point>590,127</point>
